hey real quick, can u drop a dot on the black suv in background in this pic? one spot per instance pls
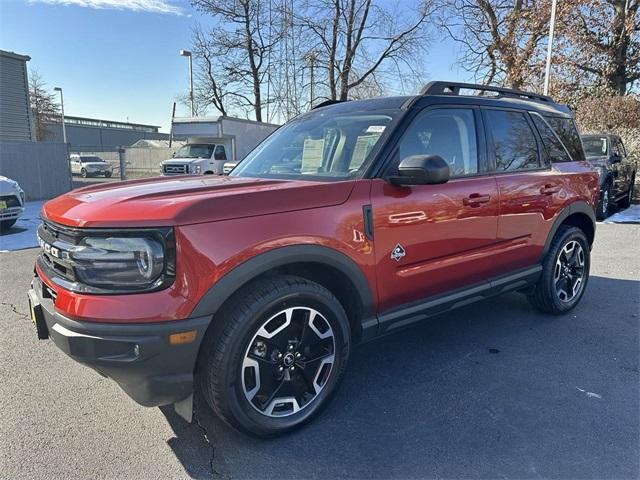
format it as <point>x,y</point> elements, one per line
<point>617,172</point>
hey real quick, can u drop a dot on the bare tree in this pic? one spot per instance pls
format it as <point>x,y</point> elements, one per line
<point>500,38</point>
<point>44,106</point>
<point>238,48</point>
<point>600,44</point>
<point>357,39</point>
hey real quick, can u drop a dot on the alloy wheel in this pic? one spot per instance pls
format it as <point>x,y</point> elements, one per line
<point>605,202</point>
<point>569,271</point>
<point>288,361</point>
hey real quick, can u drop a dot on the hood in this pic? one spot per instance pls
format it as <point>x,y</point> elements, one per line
<point>169,201</point>
<point>9,187</point>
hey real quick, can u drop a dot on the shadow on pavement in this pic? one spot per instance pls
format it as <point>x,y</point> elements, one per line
<point>491,390</point>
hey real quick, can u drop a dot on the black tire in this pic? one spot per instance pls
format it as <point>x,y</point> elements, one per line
<point>626,201</point>
<point>604,204</point>
<point>83,173</point>
<point>107,174</point>
<point>7,224</point>
<point>229,343</point>
<point>544,295</point>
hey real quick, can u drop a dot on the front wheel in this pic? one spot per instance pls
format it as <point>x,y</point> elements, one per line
<point>107,174</point>
<point>277,356</point>
<point>7,224</point>
<point>565,272</point>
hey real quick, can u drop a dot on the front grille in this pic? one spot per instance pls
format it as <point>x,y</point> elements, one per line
<point>11,200</point>
<point>175,169</point>
<point>55,241</point>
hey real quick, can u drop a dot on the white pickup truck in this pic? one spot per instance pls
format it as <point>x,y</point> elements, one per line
<point>211,142</point>
<point>196,159</point>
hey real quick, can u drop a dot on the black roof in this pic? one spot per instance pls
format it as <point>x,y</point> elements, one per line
<point>454,93</point>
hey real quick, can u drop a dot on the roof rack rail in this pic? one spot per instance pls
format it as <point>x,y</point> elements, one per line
<point>327,102</point>
<point>453,88</point>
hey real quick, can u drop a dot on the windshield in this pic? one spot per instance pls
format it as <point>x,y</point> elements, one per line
<point>594,146</point>
<point>316,146</point>
<point>90,159</point>
<point>195,150</point>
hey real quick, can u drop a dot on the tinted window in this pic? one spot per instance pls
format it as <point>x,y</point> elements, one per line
<point>622,148</point>
<point>514,143</point>
<point>552,145</point>
<point>449,133</point>
<point>618,148</point>
<point>90,159</point>
<point>220,154</point>
<point>568,133</point>
<point>595,146</point>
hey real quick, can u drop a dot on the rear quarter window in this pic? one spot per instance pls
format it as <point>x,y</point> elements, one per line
<point>566,130</point>
<point>556,152</point>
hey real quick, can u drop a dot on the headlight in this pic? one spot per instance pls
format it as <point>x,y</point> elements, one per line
<point>123,263</point>
<point>196,169</point>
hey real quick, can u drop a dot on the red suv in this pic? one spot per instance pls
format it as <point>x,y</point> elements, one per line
<point>349,222</point>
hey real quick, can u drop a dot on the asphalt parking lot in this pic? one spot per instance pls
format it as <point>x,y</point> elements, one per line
<point>494,390</point>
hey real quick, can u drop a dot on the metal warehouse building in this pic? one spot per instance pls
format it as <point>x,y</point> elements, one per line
<point>94,135</point>
<point>15,113</point>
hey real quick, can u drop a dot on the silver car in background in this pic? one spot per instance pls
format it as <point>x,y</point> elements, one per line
<point>89,166</point>
<point>11,202</point>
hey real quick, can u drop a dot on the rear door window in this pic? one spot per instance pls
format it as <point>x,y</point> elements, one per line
<point>514,144</point>
<point>566,129</point>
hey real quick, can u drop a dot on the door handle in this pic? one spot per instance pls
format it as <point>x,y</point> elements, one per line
<point>550,189</point>
<point>475,199</point>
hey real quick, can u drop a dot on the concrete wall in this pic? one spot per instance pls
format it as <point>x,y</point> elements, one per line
<point>41,168</point>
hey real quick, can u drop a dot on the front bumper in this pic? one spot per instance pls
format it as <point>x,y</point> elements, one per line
<point>11,213</point>
<point>136,356</point>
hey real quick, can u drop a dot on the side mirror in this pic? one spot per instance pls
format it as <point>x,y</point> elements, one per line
<point>616,158</point>
<point>421,170</point>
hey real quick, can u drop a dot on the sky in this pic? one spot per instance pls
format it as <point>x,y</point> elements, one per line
<point>119,59</point>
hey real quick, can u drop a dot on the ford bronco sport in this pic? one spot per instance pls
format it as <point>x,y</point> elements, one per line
<point>349,222</point>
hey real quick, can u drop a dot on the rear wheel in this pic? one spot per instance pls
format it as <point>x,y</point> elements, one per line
<point>626,202</point>
<point>84,173</point>
<point>565,272</point>
<point>277,356</point>
<point>604,205</point>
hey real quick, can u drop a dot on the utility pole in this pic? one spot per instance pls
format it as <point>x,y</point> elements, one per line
<point>187,53</point>
<point>64,129</point>
<point>311,57</point>
<point>552,25</point>
<point>173,115</point>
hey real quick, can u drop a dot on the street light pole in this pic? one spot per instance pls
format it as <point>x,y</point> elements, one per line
<point>187,53</point>
<point>311,57</point>
<point>552,25</point>
<point>64,129</point>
